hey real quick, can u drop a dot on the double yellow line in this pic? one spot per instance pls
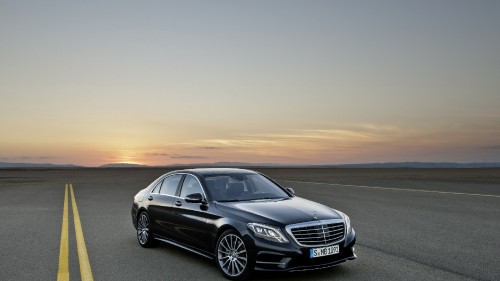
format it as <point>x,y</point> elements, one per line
<point>83,258</point>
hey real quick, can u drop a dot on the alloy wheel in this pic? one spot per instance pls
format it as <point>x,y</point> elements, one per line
<point>232,255</point>
<point>143,229</point>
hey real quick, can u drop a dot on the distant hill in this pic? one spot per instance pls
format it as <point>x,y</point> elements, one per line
<point>122,165</point>
<point>8,165</point>
<point>362,165</point>
<point>228,164</point>
<point>416,165</point>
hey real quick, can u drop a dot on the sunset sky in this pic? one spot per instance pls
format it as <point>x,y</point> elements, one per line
<point>293,82</point>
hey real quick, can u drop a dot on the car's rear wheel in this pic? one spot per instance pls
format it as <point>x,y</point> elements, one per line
<point>232,256</point>
<point>144,234</point>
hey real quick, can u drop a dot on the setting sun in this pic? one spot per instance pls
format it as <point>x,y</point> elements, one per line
<point>91,88</point>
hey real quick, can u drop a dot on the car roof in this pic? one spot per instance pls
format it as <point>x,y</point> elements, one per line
<point>216,171</point>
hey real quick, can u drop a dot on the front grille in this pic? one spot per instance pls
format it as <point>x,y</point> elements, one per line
<point>318,234</point>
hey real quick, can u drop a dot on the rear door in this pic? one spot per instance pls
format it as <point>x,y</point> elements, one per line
<point>160,205</point>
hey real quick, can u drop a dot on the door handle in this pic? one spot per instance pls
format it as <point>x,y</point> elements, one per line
<point>150,197</point>
<point>178,203</point>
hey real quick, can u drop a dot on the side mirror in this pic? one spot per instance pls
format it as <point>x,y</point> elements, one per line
<point>194,198</point>
<point>290,190</point>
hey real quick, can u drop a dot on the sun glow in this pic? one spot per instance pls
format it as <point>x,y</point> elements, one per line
<point>317,84</point>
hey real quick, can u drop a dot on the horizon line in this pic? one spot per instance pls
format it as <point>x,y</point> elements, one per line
<point>408,164</point>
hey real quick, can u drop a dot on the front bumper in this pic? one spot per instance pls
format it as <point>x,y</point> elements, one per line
<point>270,256</point>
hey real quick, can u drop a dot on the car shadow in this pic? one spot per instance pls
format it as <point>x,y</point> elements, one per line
<point>339,271</point>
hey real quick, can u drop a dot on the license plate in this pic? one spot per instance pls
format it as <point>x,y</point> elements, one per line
<point>324,251</point>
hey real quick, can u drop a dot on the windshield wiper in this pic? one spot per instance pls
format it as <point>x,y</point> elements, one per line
<point>232,200</point>
<point>270,198</point>
<point>256,199</point>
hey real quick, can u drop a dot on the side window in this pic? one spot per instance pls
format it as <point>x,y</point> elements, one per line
<point>157,187</point>
<point>169,185</point>
<point>190,186</point>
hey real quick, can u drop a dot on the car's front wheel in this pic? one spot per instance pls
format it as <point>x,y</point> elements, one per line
<point>232,256</point>
<point>144,234</point>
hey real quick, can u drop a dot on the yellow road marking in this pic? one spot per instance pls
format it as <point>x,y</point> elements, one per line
<point>83,258</point>
<point>63,271</point>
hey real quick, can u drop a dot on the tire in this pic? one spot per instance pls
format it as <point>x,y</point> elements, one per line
<point>232,256</point>
<point>144,234</point>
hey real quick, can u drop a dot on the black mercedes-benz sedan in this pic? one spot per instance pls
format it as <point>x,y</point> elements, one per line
<point>243,220</point>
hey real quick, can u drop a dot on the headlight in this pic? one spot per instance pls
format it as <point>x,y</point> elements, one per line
<point>347,221</point>
<point>268,232</point>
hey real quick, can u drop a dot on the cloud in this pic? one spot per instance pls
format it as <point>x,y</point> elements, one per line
<point>157,154</point>
<point>177,156</point>
<point>211,147</point>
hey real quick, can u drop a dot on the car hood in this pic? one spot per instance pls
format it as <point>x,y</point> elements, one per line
<point>284,212</point>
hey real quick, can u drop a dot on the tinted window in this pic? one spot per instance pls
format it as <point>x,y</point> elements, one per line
<point>157,187</point>
<point>169,185</point>
<point>190,186</point>
<point>243,187</point>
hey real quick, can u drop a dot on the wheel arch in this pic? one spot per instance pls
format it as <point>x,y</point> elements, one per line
<point>139,212</point>
<point>221,230</point>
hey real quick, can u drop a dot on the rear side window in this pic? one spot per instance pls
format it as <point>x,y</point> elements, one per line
<point>157,187</point>
<point>169,185</point>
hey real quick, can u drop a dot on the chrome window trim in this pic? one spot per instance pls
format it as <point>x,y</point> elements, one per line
<point>161,180</point>
<point>289,228</point>
<point>198,180</point>
<point>152,186</point>
<point>166,176</point>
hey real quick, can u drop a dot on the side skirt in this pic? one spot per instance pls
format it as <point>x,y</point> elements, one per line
<point>171,242</point>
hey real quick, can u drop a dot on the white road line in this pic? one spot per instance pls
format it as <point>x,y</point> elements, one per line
<point>398,189</point>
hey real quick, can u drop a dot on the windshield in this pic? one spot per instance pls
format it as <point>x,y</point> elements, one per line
<point>226,188</point>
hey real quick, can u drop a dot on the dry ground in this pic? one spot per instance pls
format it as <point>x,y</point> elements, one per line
<point>412,224</point>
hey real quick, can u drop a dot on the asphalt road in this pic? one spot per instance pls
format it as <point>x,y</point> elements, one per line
<point>411,224</point>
